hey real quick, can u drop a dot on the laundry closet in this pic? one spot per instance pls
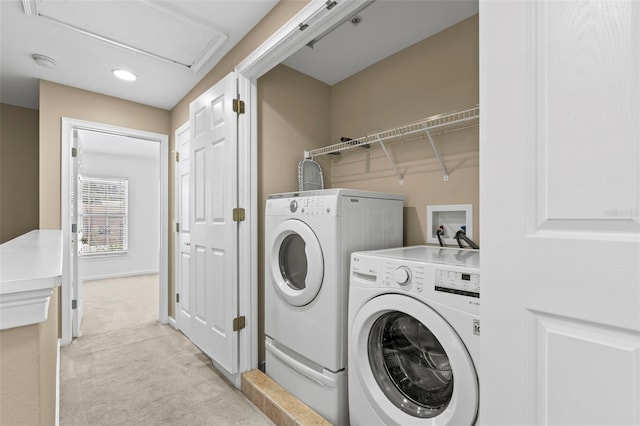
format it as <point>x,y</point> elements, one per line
<point>298,113</point>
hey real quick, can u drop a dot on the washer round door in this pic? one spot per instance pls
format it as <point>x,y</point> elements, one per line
<point>297,264</point>
<point>412,366</point>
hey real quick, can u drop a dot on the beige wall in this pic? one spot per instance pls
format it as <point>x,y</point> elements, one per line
<point>434,76</point>
<point>437,75</point>
<point>57,101</point>
<point>28,357</point>
<point>293,116</point>
<point>48,353</point>
<point>18,171</point>
<point>20,376</point>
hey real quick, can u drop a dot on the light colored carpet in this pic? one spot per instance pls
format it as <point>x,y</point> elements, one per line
<point>140,372</point>
<point>119,303</point>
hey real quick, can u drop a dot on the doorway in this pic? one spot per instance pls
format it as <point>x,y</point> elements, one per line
<point>109,151</point>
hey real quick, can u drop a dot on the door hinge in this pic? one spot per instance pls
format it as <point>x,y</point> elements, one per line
<point>238,214</point>
<point>238,323</point>
<point>177,226</point>
<point>74,304</point>
<point>74,228</point>
<point>74,152</point>
<point>177,297</point>
<point>177,156</point>
<point>238,106</point>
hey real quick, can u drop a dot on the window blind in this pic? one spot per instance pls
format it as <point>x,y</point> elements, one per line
<point>105,211</point>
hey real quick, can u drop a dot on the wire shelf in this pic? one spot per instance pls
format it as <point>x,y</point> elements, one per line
<point>438,124</point>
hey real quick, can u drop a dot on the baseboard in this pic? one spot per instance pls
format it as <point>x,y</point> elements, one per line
<point>57,417</point>
<point>173,323</point>
<point>119,275</point>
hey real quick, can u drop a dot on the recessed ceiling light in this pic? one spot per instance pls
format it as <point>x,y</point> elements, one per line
<point>44,61</point>
<point>124,75</point>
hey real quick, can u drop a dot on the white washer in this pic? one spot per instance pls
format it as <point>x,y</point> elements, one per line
<point>414,332</point>
<point>309,238</point>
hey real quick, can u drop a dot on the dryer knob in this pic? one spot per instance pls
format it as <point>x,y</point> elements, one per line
<point>402,275</point>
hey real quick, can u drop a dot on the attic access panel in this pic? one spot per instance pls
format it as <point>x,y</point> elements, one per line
<point>146,27</point>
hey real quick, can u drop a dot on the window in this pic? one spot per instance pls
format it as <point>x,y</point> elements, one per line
<point>105,218</point>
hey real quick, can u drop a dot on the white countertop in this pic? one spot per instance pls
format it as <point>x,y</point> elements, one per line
<point>30,266</point>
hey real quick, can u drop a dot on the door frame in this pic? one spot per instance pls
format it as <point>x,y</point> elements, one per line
<point>184,127</point>
<point>278,47</point>
<point>68,126</point>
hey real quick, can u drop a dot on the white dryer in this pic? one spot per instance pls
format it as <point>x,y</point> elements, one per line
<point>414,331</point>
<point>309,238</point>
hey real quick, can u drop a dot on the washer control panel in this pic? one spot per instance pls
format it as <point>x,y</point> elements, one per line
<point>415,277</point>
<point>467,284</point>
<point>404,276</point>
<point>456,286</point>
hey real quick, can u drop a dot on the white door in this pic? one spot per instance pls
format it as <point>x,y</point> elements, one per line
<point>76,218</point>
<point>560,212</point>
<point>183,299</point>
<point>214,234</point>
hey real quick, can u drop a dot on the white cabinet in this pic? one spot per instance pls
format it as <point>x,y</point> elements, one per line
<point>30,267</point>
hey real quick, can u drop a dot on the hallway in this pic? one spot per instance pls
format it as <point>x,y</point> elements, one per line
<point>126,368</point>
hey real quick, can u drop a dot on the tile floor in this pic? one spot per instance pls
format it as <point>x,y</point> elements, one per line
<point>277,403</point>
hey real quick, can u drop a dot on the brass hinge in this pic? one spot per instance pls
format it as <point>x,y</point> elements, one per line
<point>74,304</point>
<point>238,215</point>
<point>238,323</point>
<point>238,106</point>
<point>177,156</point>
<point>177,297</point>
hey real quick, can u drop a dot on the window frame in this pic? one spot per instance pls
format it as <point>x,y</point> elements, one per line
<point>119,212</point>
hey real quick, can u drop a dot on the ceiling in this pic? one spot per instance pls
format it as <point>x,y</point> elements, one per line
<point>172,44</point>
<point>384,27</point>
<point>169,45</point>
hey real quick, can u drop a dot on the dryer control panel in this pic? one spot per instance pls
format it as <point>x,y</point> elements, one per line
<point>303,206</point>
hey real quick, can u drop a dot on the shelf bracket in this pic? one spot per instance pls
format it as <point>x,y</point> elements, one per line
<point>393,165</point>
<point>435,151</point>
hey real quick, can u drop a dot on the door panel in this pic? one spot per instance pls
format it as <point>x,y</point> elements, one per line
<point>213,232</point>
<point>560,97</point>
<point>199,186</point>
<point>586,81</point>
<point>558,341</point>
<point>76,238</point>
<point>183,309</point>
<point>200,279</point>
<point>218,269</point>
